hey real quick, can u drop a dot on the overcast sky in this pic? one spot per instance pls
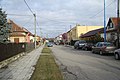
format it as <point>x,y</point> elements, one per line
<point>55,16</point>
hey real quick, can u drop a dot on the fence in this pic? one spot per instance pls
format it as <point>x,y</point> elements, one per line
<point>12,49</point>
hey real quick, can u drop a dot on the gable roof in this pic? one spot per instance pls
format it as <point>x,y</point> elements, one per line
<point>92,33</point>
<point>115,21</point>
<point>15,27</point>
<point>28,31</point>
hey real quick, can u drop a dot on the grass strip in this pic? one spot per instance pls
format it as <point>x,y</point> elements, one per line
<point>46,68</point>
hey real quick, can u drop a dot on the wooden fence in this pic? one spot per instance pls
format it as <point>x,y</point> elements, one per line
<point>11,49</point>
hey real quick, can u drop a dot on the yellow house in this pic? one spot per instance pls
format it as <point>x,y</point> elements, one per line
<point>75,33</point>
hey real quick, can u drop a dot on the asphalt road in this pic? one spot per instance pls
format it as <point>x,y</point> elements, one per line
<point>83,65</point>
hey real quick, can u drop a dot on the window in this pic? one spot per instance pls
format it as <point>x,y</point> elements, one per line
<point>16,40</point>
<point>97,45</point>
<point>111,25</point>
<point>100,45</point>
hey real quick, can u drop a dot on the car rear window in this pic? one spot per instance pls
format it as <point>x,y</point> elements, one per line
<point>82,41</point>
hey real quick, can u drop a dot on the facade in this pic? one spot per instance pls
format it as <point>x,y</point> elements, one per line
<point>93,36</point>
<point>111,29</point>
<point>58,39</point>
<point>75,33</point>
<point>69,36</point>
<point>64,38</point>
<point>19,34</point>
<point>38,39</point>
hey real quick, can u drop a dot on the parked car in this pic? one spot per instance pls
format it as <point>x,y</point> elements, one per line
<point>79,44</point>
<point>88,46</point>
<point>49,44</point>
<point>103,47</point>
<point>117,54</point>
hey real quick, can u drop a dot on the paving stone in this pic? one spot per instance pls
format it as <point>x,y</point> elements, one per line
<point>22,68</point>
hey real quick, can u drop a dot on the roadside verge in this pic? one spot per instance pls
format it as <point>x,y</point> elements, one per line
<point>46,68</point>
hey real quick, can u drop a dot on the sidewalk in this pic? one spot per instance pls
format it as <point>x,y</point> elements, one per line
<point>22,68</point>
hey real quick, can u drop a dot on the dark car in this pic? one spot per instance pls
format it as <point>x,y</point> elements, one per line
<point>103,47</point>
<point>117,54</point>
<point>88,46</point>
<point>79,44</point>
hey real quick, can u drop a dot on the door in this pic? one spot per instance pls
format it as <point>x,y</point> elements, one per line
<point>16,40</point>
<point>96,48</point>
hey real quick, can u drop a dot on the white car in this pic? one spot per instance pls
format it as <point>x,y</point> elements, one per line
<point>117,54</point>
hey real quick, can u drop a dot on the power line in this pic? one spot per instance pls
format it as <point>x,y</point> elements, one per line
<point>18,15</point>
<point>28,7</point>
<point>27,21</point>
<point>37,23</point>
<point>43,18</point>
<point>56,21</point>
<point>34,21</point>
<point>103,9</point>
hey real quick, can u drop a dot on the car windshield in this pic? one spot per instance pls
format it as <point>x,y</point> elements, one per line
<point>49,43</point>
<point>108,44</point>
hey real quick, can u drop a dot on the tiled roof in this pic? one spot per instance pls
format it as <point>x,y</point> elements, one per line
<point>15,27</point>
<point>27,31</point>
<point>92,33</point>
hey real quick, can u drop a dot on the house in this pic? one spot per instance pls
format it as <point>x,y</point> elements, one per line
<point>93,35</point>
<point>64,38</point>
<point>58,39</point>
<point>69,37</point>
<point>38,39</point>
<point>75,33</point>
<point>29,36</point>
<point>111,29</point>
<point>19,34</point>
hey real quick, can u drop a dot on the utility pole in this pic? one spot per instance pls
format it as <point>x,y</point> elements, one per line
<point>34,21</point>
<point>41,32</point>
<point>118,29</point>
<point>104,22</point>
<point>35,29</point>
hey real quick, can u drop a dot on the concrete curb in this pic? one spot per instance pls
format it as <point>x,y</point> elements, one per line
<point>9,60</point>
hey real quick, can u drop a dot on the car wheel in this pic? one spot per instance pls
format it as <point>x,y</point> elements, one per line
<point>101,53</point>
<point>93,51</point>
<point>86,49</point>
<point>74,47</point>
<point>77,48</point>
<point>117,57</point>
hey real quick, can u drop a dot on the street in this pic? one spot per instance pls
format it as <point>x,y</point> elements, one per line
<point>84,65</point>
